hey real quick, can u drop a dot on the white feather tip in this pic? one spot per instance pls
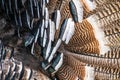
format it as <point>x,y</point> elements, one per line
<point>99,34</point>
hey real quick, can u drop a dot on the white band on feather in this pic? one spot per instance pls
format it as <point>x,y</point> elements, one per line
<point>67,29</point>
<point>46,17</point>
<point>32,48</point>
<point>58,18</point>
<point>89,73</point>
<point>36,37</point>
<point>44,38</point>
<point>42,28</point>
<point>43,8</point>
<point>53,30</point>
<point>70,33</point>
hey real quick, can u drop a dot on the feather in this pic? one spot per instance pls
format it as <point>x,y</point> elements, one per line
<point>48,49</point>
<point>109,29</point>
<point>81,42</point>
<point>76,10</point>
<point>96,60</point>
<point>54,50</point>
<point>59,61</point>
<point>89,73</point>
<point>66,29</point>
<point>100,3</point>
<point>62,29</point>
<point>25,18</point>
<point>32,48</point>
<point>57,18</point>
<point>66,73</point>
<point>44,38</point>
<point>42,28</point>
<point>89,5</point>
<point>70,33</point>
<point>99,34</point>
<point>51,5</point>
<point>28,39</point>
<point>46,17</point>
<point>65,10</point>
<point>37,34</point>
<point>106,73</point>
<point>77,66</point>
<point>30,8</point>
<point>21,72</point>
<point>29,73</point>
<point>43,7</point>
<point>9,52</point>
<point>52,30</point>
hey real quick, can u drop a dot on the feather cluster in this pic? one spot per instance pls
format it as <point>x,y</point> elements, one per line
<point>74,39</point>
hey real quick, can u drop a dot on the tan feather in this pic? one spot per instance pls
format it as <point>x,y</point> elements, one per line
<point>66,73</point>
<point>103,2</point>
<point>77,66</point>
<point>51,5</point>
<point>85,39</point>
<point>106,73</point>
<point>112,28</point>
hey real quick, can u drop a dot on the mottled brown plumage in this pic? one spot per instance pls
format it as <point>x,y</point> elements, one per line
<point>93,50</point>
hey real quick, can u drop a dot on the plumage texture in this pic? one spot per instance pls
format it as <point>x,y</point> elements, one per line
<point>72,39</point>
<point>13,69</point>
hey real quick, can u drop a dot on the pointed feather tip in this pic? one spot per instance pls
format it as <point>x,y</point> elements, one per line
<point>99,34</point>
<point>90,5</point>
<point>89,73</point>
<point>79,10</point>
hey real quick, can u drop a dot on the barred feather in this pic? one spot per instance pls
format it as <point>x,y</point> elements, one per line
<point>76,65</point>
<point>19,71</point>
<point>105,73</point>
<point>85,39</point>
<point>101,3</point>
<point>66,73</point>
<point>109,60</point>
<point>112,28</point>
